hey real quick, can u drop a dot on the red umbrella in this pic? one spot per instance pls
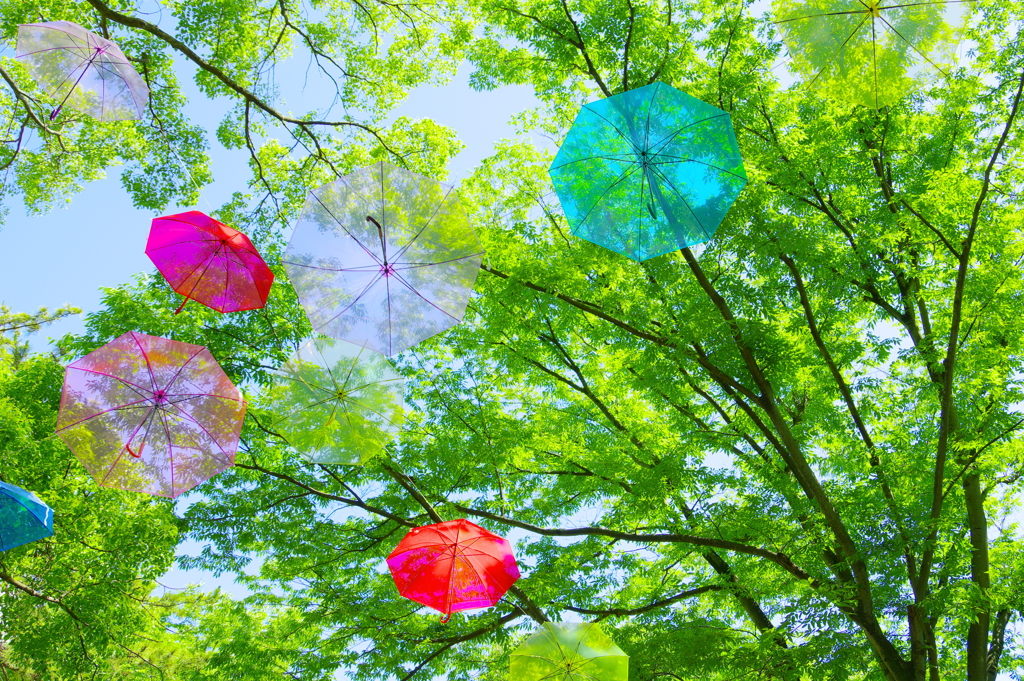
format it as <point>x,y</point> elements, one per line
<point>205,260</point>
<point>453,566</point>
<point>151,415</point>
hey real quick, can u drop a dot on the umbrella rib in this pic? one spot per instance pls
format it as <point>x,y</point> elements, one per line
<point>323,431</point>
<point>451,572</point>
<point>122,450</point>
<point>628,141</point>
<point>418,294</point>
<point>919,4</point>
<point>85,67</point>
<point>352,368</point>
<point>874,58</point>
<point>425,224</point>
<point>127,384</point>
<point>373,411</point>
<point>206,263</point>
<point>619,179</point>
<point>414,265</point>
<point>327,367</point>
<point>101,413</point>
<point>182,368</point>
<point>387,286</point>
<point>191,395</point>
<point>817,16</point>
<point>342,225</point>
<point>839,49</point>
<point>668,138</point>
<point>311,405</point>
<point>170,449</point>
<point>312,386</point>
<point>914,48</point>
<point>227,270</point>
<point>145,419</point>
<point>640,222</point>
<point>186,415</point>
<point>685,203</point>
<point>627,158</point>
<point>363,268</point>
<point>354,301</point>
<point>149,367</point>
<point>703,163</point>
<point>64,48</point>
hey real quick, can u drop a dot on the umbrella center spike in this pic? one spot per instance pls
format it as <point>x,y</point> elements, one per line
<point>873,9</point>
<point>160,396</point>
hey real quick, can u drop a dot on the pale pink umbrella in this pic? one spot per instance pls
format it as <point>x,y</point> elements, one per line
<point>149,414</point>
<point>84,70</point>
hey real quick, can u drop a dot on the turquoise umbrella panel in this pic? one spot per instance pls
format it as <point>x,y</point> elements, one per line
<point>24,517</point>
<point>648,171</point>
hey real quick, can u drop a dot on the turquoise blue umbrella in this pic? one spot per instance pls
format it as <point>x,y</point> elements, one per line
<point>648,171</point>
<point>23,517</point>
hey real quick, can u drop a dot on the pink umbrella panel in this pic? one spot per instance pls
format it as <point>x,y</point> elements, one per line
<point>205,260</point>
<point>82,70</point>
<point>149,414</point>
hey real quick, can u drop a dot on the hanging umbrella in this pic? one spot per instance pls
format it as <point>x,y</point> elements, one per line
<point>82,69</point>
<point>648,171</point>
<point>205,260</point>
<point>569,652</point>
<point>383,258</point>
<point>23,517</point>
<point>453,566</point>
<point>337,402</point>
<point>869,52</point>
<point>151,415</point>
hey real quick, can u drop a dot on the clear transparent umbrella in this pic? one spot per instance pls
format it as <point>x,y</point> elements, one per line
<point>383,257</point>
<point>870,52</point>
<point>569,652</point>
<point>82,70</point>
<point>336,402</point>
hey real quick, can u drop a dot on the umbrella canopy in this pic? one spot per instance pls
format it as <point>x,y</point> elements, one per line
<point>83,70</point>
<point>869,52</point>
<point>149,414</point>
<point>205,260</point>
<point>453,566</point>
<point>648,171</point>
<point>569,652</point>
<point>23,517</point>
<point>337,402</point>
<point>383,258</point>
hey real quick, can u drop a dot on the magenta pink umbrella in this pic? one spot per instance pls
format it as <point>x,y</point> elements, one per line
<point>149,414</point>
<point>205,260</point>
<point>82,70</point>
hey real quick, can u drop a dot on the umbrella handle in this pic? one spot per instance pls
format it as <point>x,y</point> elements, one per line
<point>130,451</point>
<point>182,304</point>
<point>444,618</point>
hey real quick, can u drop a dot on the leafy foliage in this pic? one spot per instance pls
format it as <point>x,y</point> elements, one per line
<point>794,454</point>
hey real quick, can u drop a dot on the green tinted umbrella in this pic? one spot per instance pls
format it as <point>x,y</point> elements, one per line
<point>569,652</point>
<point>869,52</point>
<point>337,402</point>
